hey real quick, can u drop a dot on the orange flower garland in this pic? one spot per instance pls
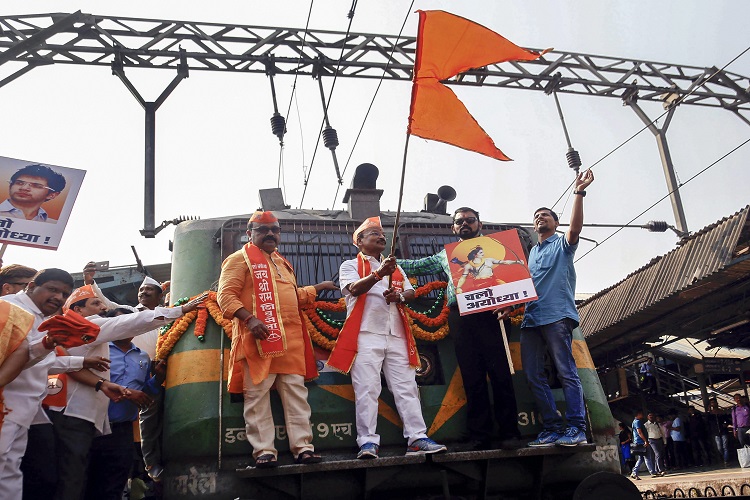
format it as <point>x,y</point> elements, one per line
<point>200,323</point>
<point>318,338</point>
<point>166,342</point>
<point>325,335</point>
<point>423,334</point>
<point>213,309</point>
<point>168,339</point>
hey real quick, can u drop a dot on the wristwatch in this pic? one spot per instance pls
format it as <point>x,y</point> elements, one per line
<point>582,193</point>
<point>402,298</point>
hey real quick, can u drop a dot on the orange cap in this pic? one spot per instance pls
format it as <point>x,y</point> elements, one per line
<point>263,217</point>
<point>85,292</point>
<point>368,223</point>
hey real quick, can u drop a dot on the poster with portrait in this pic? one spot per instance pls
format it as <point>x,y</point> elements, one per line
<point>490,272</point>
<point>37,199</point>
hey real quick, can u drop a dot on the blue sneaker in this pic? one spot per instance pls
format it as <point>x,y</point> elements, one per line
<point>545,438</point>
<point>425,446</point>
<point>572,437</point>
<point>368,450</point>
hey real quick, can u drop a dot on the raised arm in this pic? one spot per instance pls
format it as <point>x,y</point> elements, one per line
<point>576,214</point>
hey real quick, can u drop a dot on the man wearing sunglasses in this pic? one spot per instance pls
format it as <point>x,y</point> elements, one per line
<point>270,345</point>
<point>31,187</point>
<point>479,350</point>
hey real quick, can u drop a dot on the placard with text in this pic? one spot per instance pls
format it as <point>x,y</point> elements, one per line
<point>490,272</point>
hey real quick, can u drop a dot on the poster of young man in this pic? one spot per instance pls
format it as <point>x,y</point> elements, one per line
<point>37,201</point>
<point>489,272</point>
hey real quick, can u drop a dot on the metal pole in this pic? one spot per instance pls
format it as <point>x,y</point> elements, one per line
<point>666,160</point>
<point>149,187</point>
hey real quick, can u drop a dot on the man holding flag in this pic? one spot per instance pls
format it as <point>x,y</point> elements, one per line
<point>376,336</point>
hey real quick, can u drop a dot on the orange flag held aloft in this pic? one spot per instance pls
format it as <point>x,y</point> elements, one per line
<point>446,46</point>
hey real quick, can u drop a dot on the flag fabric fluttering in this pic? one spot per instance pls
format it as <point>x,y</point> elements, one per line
<point>446,46</point>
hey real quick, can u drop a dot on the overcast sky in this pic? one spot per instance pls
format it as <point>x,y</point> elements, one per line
<point>214,147</point>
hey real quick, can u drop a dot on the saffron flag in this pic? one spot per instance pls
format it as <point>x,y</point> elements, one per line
<point>446,46</point>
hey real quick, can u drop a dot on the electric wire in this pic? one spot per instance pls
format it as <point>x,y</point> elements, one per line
<point>350,15</point>
<point>665,197</point>
<point>676,103</point>
<point>372,102</point>
<point>294,88</point>
<point>301,135</point>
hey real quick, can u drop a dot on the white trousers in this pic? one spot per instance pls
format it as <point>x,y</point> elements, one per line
<point>376,351</point>
<point>13,439</point>
<point>259,425</point>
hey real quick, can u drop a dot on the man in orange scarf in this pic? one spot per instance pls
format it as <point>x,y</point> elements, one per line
<point>375,336</point>
<point>258,291</point>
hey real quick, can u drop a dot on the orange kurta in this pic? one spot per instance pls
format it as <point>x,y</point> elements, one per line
<point>236,291</point>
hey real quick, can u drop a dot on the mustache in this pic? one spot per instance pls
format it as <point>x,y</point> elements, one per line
<point>269,238</point>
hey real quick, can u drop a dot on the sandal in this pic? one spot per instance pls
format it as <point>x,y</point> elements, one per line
<point>266,461</point>
<point>308,457</point>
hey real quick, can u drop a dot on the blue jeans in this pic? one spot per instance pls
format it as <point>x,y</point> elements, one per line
<point>555,338</point>
<point>639,461</point>
<point>722,446</point>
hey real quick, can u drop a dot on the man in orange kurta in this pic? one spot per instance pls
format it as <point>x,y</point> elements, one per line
<point>259,292</point>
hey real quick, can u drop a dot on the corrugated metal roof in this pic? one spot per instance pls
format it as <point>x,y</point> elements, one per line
<point>680,274</point>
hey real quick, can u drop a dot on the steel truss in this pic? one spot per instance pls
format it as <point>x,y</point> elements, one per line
<point>152,43</point>
<point>122,43</point>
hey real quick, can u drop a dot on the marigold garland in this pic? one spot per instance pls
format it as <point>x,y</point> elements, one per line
<point>324,335</point>
<point>318,338</point>
<point>422,334</point>
<point>215,311</point>
<point>200,323</point>
<point>167,341</point>
<point>169,335</point>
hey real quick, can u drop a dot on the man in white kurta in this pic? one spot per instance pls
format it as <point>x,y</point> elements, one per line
<point>23,396</point>
<point>382,343</point>
<point>86,412</point>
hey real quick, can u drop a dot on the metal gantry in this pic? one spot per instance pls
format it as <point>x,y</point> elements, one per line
<point>87,39</point>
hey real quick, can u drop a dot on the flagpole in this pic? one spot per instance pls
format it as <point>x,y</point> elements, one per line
<point>400,196</point>
<point>398,209</point>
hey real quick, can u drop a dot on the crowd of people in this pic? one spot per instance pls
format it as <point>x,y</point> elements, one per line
<point>74,393</point>
<point>676,441</point>
<point>77,379</point>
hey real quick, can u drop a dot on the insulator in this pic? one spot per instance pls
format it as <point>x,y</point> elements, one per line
<point>330,138</point>
<point>278,126</point>
<point>574,159</point>
<point>657,226</point>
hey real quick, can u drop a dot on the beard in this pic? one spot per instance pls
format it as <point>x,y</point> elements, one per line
<point>467,233</point>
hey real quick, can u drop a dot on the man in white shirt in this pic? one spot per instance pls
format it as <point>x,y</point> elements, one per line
<point>150,295</point>
<point>31,187</point>
<point>44,296</point>
<point>86,412</point>
<point>656,443</point>
<point>377,336</point>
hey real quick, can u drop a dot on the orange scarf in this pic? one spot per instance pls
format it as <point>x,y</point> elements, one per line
<point>254,255</point>
<point>265,303</point>
<point>15,324</point>
<point>345,351</point>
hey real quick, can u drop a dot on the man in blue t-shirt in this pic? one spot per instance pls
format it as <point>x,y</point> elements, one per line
<point>549,322</point>
<point>640,442</point>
